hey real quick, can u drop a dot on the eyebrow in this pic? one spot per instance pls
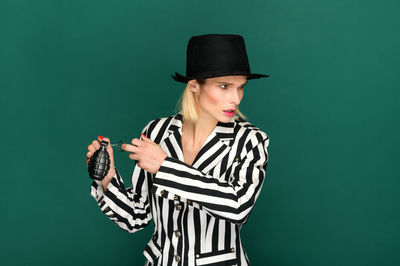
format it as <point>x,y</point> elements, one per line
<point>231,83</point>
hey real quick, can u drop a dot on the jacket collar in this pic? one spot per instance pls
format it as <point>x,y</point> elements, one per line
<point>216,146</point>
<point>223,131</point>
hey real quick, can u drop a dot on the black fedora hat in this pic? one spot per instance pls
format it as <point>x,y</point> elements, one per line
<point>216,55</point>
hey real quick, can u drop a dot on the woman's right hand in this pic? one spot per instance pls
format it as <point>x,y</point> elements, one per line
<point>91,150</point>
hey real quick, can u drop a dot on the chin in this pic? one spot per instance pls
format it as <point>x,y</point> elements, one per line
<point>226,119</point>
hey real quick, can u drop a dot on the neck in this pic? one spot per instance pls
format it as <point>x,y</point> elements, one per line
<point>198,132</point>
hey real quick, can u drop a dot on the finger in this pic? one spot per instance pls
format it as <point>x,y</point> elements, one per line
<point>89,154</point>
<point>91,148</point>
<point>136,142</point>
<point>96,144</point>
<point>134,156</point>
<point>129,148</point>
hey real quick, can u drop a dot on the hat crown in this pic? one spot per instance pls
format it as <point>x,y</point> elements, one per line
<point>213,53</point>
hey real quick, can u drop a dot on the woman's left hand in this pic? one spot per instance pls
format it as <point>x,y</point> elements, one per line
<point>149,154</point>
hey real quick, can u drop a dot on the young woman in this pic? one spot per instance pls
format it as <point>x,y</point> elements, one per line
<point>199,172</point>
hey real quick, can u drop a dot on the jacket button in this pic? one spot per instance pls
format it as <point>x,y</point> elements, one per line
<point>237,159</point>
<point>189,201</point>
<point>177,233</point>
<point>233,249</point>
<point>197,256</point>
<point>178,207</point>
<point>177,258</point>
<point>162,191</point>
<point>176,197</point>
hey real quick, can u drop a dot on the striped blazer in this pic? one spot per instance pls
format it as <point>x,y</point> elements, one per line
<point>199,209</point>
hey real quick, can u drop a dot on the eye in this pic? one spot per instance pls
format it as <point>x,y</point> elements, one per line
<point>223,86</point>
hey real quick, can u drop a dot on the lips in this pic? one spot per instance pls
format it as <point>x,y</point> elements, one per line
<point>229,112</point>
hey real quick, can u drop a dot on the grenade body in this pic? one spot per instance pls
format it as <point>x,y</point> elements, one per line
<point>99,163</point>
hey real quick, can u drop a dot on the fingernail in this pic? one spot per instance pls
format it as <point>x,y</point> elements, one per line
<point>143,135</point>
<point>101,137</point>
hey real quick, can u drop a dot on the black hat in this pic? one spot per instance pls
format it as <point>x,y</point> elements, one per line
<point>216,55</point>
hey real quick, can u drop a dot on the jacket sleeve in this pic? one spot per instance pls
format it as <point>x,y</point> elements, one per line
<point>231,200</point>
<point>128,207</point>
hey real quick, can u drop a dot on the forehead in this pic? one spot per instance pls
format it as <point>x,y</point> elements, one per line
<point>228,79</point>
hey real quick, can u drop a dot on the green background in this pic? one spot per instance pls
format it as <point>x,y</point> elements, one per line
<point>71,70</point>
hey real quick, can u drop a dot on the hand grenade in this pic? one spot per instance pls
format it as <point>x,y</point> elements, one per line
<point>99,163</point>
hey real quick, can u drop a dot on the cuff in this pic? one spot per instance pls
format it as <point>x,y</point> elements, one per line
<point>97,191</point>
<point>162,189</point>
<point>99,195</point>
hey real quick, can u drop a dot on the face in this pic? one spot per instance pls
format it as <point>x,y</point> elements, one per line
<point>219,97</point>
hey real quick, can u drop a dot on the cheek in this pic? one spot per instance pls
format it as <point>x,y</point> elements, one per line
<point>213,97</point>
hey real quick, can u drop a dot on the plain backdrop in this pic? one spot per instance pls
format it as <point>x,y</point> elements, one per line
<point>73,70</point>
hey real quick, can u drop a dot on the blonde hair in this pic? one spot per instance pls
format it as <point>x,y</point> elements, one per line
<point>190,108</point>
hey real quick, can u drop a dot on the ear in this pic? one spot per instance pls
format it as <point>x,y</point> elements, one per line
<point>193,85</point>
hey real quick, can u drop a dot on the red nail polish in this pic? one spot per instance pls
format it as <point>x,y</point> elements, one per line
<point>101,137</point>
<point>143,135</point>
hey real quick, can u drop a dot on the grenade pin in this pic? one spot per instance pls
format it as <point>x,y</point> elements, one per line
<point>118,145</point>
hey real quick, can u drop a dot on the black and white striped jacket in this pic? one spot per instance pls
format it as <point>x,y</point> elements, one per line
<point>198,210</point>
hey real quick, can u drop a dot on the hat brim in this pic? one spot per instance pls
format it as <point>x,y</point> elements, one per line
<point>178,77</point>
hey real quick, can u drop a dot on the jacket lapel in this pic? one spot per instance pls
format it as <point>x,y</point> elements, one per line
<point>216,146</point>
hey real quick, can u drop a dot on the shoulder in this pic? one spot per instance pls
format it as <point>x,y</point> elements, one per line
<point>249,133</point>
<point>158,125</point>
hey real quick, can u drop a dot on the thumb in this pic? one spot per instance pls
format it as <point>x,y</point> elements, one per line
<point>109,148</point>
<point>144,138</point>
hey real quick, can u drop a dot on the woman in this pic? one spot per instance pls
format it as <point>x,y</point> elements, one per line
<point>199,172</point>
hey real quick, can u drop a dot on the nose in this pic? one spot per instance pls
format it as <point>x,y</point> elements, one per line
<point>235,97</point>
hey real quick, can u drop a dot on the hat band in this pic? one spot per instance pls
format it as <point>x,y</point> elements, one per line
<point>217,74</point>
